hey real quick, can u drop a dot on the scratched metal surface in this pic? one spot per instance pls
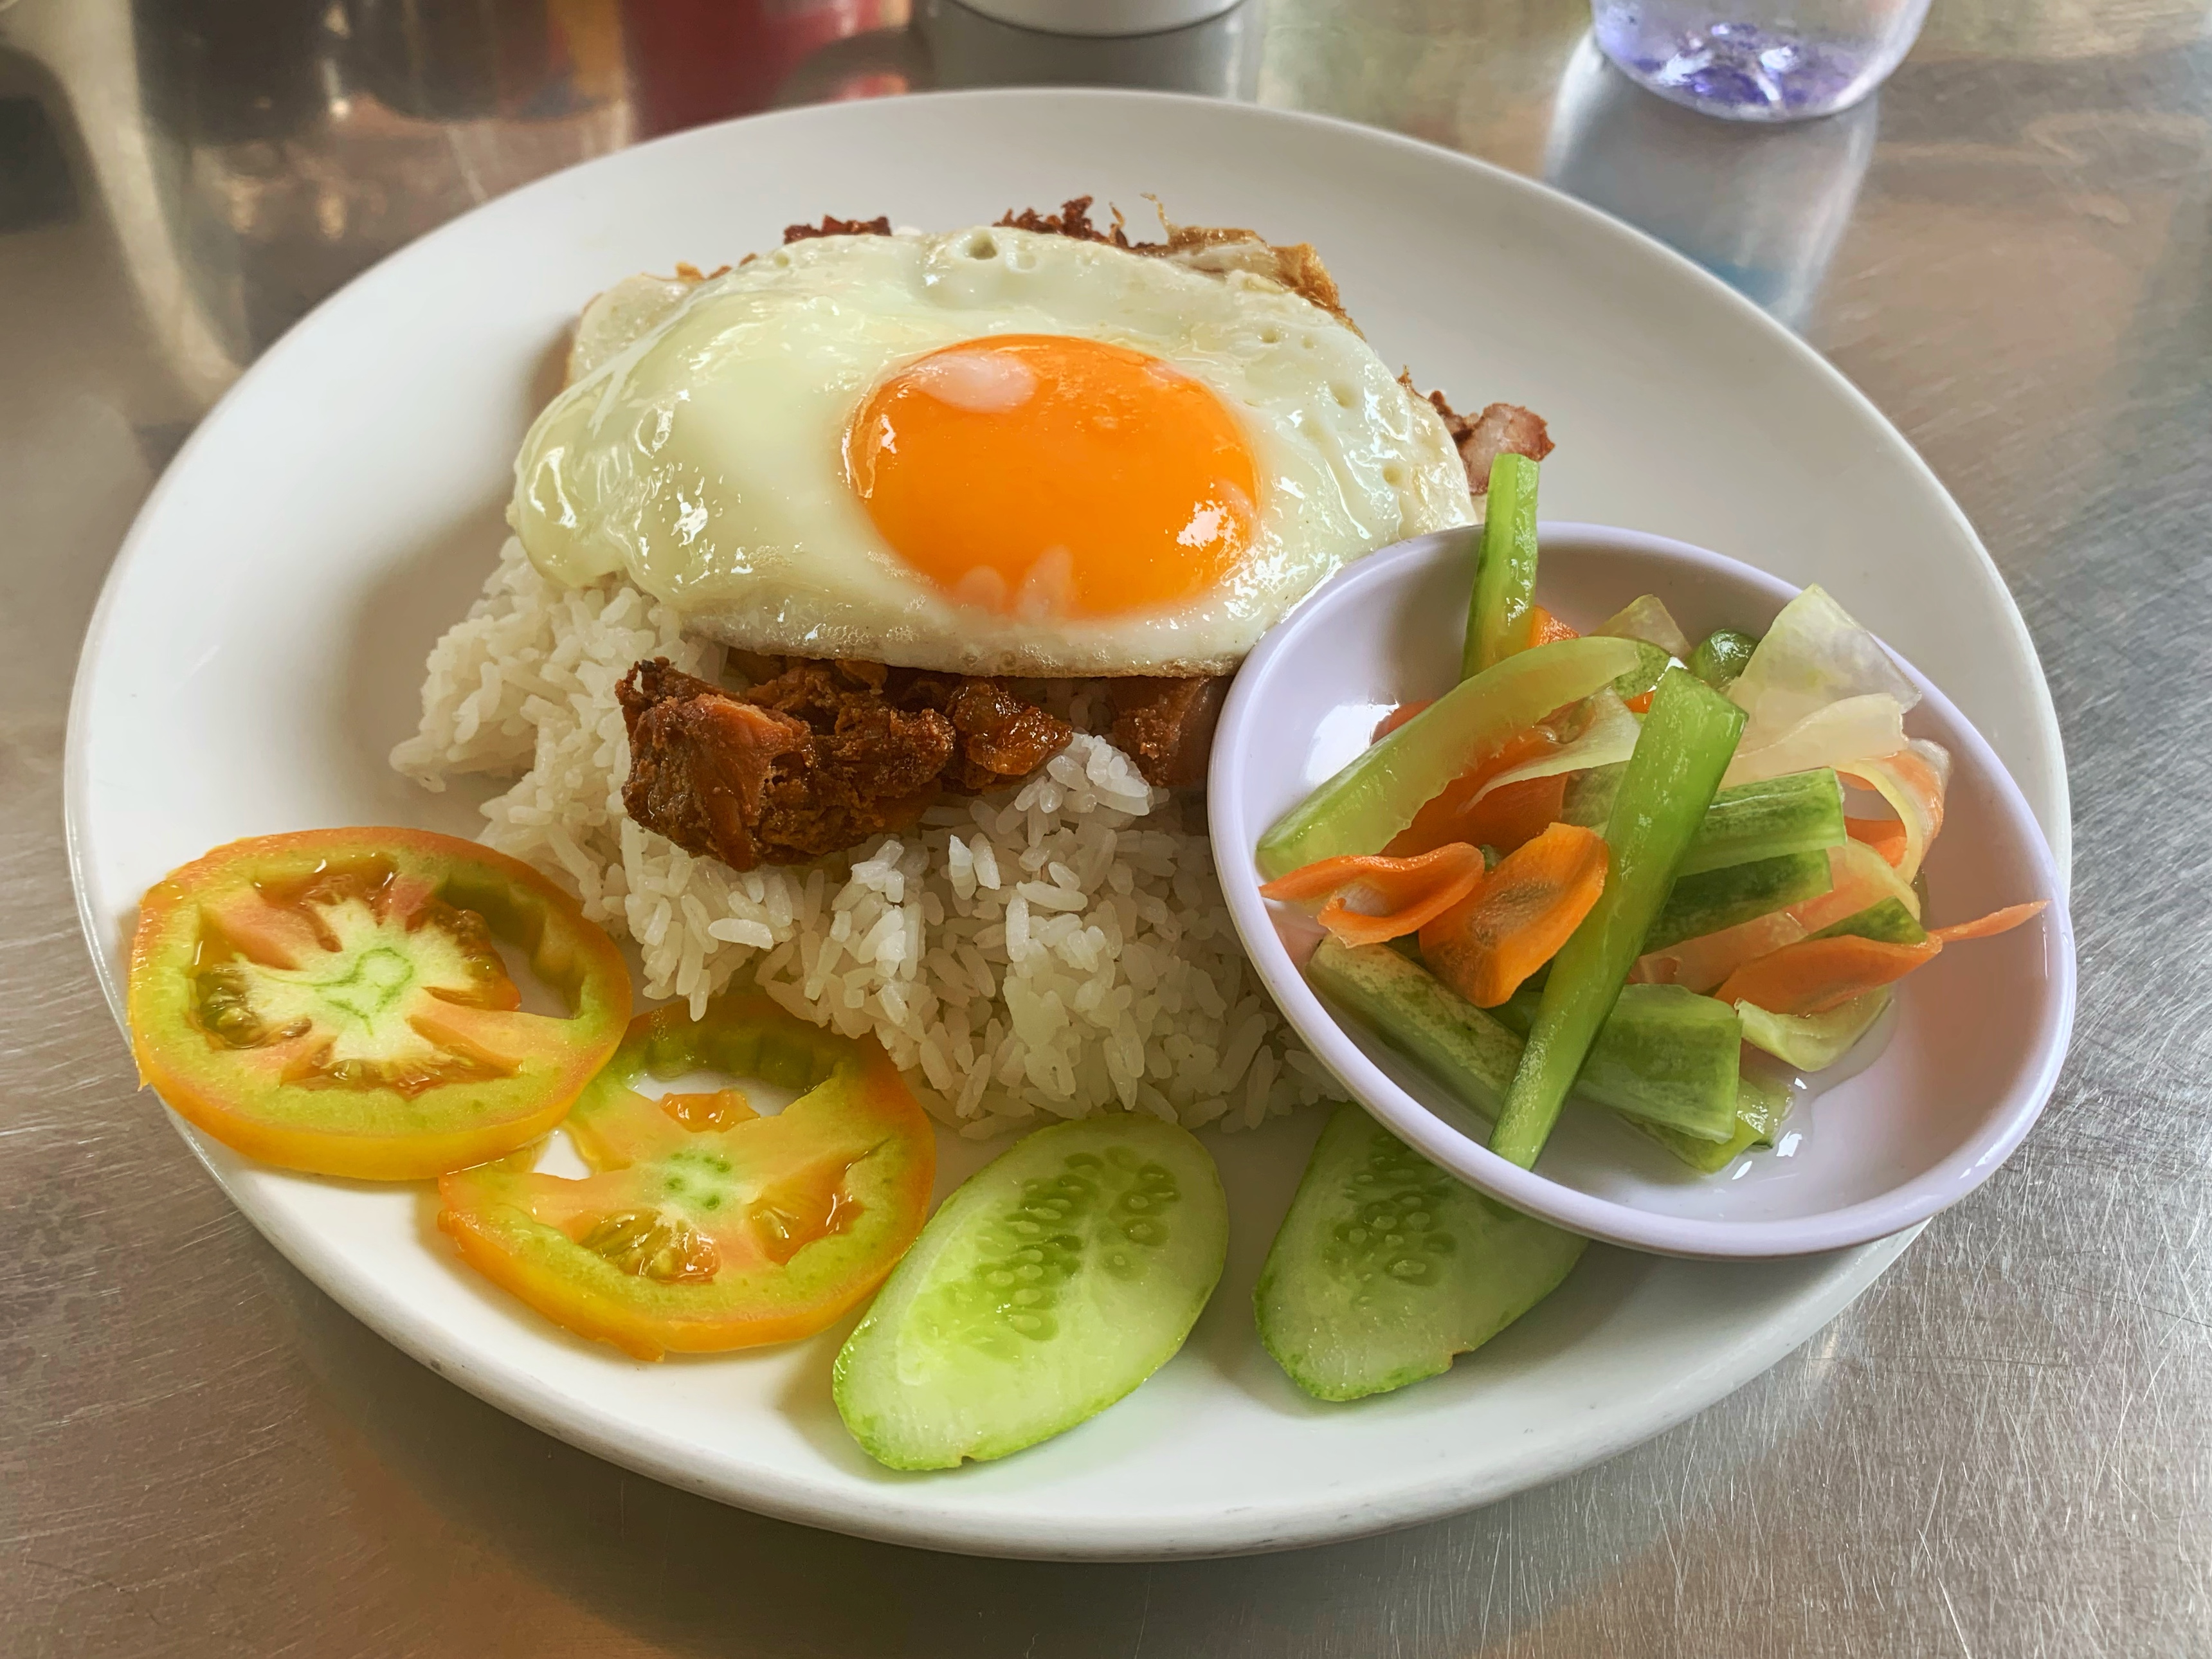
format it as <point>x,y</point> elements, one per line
<point>2004,1449</point>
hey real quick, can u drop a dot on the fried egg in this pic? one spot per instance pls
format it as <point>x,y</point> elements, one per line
<point>990,452</point>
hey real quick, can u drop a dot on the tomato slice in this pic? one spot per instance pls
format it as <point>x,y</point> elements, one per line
<point>704,1226</point>
<point>334,1000</point>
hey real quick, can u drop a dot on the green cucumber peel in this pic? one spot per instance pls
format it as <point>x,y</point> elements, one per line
<point>1727,898</point>
<point>1505,574</point>
<point>1886,921</point>
<point>1687,740</point>
<point>1371,800</point>
<point>1053,1282</point>
<point>1812,1043</point>
<point>1385,1266</point>
<point>1645,676</point>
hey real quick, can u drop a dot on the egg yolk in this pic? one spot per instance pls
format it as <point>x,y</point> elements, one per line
<point>1040,476</point>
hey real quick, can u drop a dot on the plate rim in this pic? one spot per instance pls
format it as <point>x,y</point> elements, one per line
<point>1910,1204</point>
<point>1757,1350</point>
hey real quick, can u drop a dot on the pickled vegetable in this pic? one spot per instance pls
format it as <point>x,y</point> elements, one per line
<point>1365,805</point>
<point>1669,783</point>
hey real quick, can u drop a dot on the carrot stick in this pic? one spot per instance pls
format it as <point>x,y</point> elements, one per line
<point>1411,891</point>
<point>1815,975</point>
<point>1515,921</point>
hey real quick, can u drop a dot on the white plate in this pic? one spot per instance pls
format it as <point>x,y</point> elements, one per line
<point>258,646</point>
<point>1912,1120</point>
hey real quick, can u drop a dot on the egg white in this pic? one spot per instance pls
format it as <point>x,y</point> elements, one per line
<point>704,458</point>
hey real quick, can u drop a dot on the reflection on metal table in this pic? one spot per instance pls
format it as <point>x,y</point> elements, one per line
<point>2000,1449</point>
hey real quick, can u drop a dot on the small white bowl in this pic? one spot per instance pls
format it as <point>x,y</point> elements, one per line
<point>1973,1043</point>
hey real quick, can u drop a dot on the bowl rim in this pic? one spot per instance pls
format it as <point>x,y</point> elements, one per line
<point>1905,1204</point>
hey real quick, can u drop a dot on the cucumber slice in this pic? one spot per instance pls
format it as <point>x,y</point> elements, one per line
<point>1386,1266</point>
<point>1057,1279</point>
<point>1707,902</point>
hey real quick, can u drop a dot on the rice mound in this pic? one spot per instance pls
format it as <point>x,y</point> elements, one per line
<point>1062,948</point>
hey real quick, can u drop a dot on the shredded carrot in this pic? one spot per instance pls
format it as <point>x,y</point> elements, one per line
<point>1988,926</point>
<point>1886,836</point>
<point>1450,816</point>
<point>1543,628</point>
<point>1411,891</point>
<point>1512,815</point>
<point>1815,975</point>
<point>1913,785</point>
<point>1398,716</point>
<point>1640,703</point>
<point>1514,922</point>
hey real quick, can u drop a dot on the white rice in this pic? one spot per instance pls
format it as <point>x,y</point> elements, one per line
<point>1049,951</point>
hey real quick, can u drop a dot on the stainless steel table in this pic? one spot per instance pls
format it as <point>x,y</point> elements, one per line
<point>2004,1449</point>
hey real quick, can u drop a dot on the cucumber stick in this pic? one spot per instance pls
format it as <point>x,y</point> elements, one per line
<point>1760,1107</point>
<point>1454,1041</point>
<point>1798,813</point>
<point>1053,1282</point>
<point>1687,740</point>
<point>1505,577</point>
<point>1666,1055</point>
<point>1386,1266</point>
<point>1372,799</point>
<point>1714,899</point>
